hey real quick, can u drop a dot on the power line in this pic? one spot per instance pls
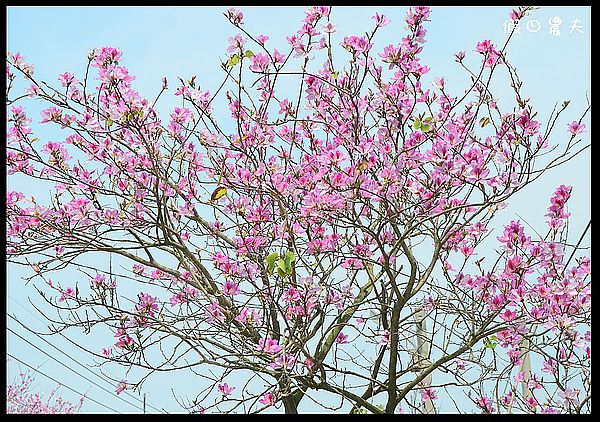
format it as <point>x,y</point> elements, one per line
<point>74,360</point>
<point>69,368</point>
<point>60,383</point>
<point>78,363</point>
<point>578,242</point>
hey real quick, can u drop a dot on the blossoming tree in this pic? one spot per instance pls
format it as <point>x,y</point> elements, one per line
<point>319,247</point>
<point>21,399</point>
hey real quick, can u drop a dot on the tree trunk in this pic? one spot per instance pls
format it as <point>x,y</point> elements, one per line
<point>291,402</point>
<point>290,406</point>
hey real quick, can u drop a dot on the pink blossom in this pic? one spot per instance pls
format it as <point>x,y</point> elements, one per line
<point>485,404</point>
<point>214,311</point>
<point>508,315</point>
<point>520,377</point>
<point>268,399</point>
<point>428,394</point>
<point>269,345</point>
<point>236,44</point>
<point>550,366</point>
<point>225,389</point>
<point>125,342</point>
<point>381,20</point>
<point>329,28</point>
<point>575,128</point>
<point>278,57</point>
<point>356,45</point>
<point>516,14</point>
<point>231,288</point>
<point>531,402</point>
<point>260,63</point>
<point>59,250</point>
<point>235,16</point>
<point>146,304</point>
<point>67,293</point>
<point>352,263</point>
<point>22,400</point>
<point>570,397</point>
<point>385,338</point>
<point>556,211</point>
<point>284,360</point>
<point>461,365</point>
<point>342,338</point>
<point>417,15</point>
<point>248,316</point>
<point>515,356</point>
<point>483,46</point>
<point>66,79</point>
<point>121,386</point>
<point>310,364</point>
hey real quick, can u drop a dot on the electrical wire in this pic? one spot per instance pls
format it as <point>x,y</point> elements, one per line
<point>71,369</point>
<point>77,362</point>
<point>60,383</point>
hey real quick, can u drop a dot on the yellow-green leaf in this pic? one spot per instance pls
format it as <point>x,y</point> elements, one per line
<point>271,262</point>
<point>218,193</point>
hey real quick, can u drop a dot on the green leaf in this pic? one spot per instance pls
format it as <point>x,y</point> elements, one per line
<point>271,262</point>
<point>417,123</point>
<point>249,54</point>
<point>218,193</point>
<point>109,122</point>
<point>288,259</point>
<point>484,121</point>
<point>284,266</point>
<point>233,60</point>
<point>425,128</point>
<point>487,343</point>
<point>281,264</point>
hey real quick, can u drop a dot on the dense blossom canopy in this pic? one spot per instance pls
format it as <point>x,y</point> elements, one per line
<point>311,241</point>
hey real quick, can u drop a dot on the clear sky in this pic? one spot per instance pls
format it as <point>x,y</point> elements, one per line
<point>185,41</point>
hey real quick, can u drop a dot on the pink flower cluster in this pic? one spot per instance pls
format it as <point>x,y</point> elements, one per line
<point>21,399</point>
<point>556,211</point>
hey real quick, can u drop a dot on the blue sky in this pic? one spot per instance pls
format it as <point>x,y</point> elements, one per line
<point>185,41</point>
